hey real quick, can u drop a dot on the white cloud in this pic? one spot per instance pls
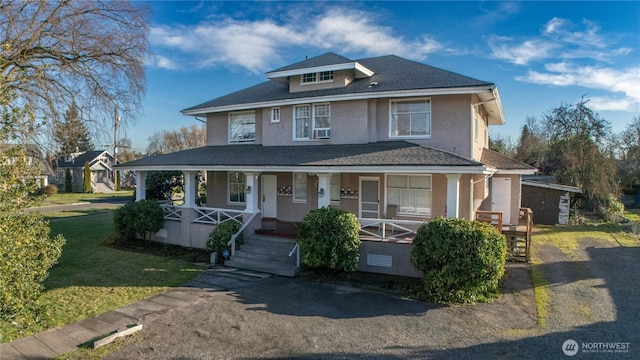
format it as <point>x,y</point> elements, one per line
<point>507,49</point>
<point>558,38</point>
<point>621,81</point>
<point>256,45</point>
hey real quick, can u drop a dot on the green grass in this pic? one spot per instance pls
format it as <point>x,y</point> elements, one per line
<point>632,215</point>
<point>71,198</point>
<point>91,279</point>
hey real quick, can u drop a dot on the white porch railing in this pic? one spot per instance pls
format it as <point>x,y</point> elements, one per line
<point>296,250</point>
<point>232,242</point>
<point>171,212</point>
<point>389,229</point>
<point>216,216</point>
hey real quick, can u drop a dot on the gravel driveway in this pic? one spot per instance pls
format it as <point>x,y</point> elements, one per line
<point>593,299</point>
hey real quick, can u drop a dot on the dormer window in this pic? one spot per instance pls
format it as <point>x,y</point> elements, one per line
<point>313,78</point>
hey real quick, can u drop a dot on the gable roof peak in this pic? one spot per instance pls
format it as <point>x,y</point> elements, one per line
<point>325,59</point>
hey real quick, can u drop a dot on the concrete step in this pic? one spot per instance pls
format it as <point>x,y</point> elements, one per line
<point>266,266</point>
<point>266,254</point>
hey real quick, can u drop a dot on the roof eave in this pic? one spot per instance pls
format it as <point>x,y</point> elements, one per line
<point>361,71</point>
<point>407,169</point>
<point>345,97</point>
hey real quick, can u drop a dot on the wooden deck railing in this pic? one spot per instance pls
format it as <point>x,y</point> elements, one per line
<point>518,236</point>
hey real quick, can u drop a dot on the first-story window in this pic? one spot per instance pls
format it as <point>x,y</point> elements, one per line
<point>237,184</point>
<point>412,194</point>
<point>335,188</point>
<point>410,118</point>
<point>242,127</point>
<point>300,187</point>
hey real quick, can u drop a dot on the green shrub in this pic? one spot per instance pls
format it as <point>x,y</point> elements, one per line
<point>329,239</point>
<point>138,220</point>
<point>462,261</point>
<point>614,209</point>
<point>50,189</point>
<point>27,254</point>
<point>219,238</point>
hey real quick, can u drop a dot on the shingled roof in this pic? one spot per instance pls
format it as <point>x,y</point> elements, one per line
<point>384,156</point>
<point>391,73</point>
<point>79,160</point>
<point>504,163</point>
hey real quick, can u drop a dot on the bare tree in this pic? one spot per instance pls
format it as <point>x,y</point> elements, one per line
<point>90,52</point>
<point>187,137</point>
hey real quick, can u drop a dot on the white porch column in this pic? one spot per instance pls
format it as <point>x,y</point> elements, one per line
<point>141,186</point>
<point>190,188</point>
<point>453,195</point>
<point>251,193</point>
<point>324,190</point>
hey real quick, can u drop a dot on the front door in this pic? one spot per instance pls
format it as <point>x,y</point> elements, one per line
<point>501,197</point>
<point>370,198</point>
<point>270,196</point>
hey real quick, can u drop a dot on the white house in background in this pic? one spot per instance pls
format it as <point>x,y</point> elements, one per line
<point>393,141</point>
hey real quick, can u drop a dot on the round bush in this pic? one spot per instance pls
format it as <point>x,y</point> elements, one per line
<point>462,260</point>
<point>329,239</point>
<point>219,238</point>
<point>50,189</point>
<point>138,220</point>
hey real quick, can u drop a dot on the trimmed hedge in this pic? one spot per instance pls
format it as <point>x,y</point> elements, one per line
<point>27,254</point>
<point>329,239</point>
<point>462,260</point>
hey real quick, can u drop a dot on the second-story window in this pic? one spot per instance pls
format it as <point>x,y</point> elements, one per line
<point>242,127</point>
<point>312,121</point>
<point>275,115</point>
<point>410,118</point>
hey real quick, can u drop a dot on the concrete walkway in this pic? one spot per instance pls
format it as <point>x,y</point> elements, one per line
<point>64,339</point>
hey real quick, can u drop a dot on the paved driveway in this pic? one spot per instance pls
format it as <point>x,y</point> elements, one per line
<point>593,301</point>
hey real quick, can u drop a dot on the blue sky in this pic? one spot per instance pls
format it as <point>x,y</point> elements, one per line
<point>540,54</point>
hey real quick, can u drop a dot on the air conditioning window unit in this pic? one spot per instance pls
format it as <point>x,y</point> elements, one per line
<point>323,133</point>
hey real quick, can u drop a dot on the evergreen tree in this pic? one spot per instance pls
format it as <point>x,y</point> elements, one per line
<point>87,178</point>
<point>68,185</point>
<point>73,134</point>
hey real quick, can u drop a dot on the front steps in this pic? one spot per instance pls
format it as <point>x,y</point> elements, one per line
<point>267,254</point>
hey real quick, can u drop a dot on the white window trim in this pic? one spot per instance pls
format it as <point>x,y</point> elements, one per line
<point>274,111</point>
<point>229,127</point>
<point>293,181</point>
<point>312,125</point>
<point>317,81</point>
<point>238,203</point>
<point>410,136</point>
<point>335,202</point>
<point>420,215</point>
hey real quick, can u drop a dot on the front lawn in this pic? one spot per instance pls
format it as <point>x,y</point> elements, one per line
<point>72,198</point>
<point>91,279</point>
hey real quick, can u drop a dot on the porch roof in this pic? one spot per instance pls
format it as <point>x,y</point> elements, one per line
<point>504,164</point>
<point>388,156</point>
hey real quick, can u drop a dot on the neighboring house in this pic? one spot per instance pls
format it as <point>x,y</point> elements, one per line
<point>549,201</point>
<point>100,163</point>
<point>35,158</point>
<point>393,141</point>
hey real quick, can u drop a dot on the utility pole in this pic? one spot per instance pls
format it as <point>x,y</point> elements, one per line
<point>116,182</point>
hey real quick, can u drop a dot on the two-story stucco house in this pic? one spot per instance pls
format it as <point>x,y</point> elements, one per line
<point>394,141</point>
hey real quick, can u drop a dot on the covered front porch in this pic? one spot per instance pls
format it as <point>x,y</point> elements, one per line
<point>392,188</point>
